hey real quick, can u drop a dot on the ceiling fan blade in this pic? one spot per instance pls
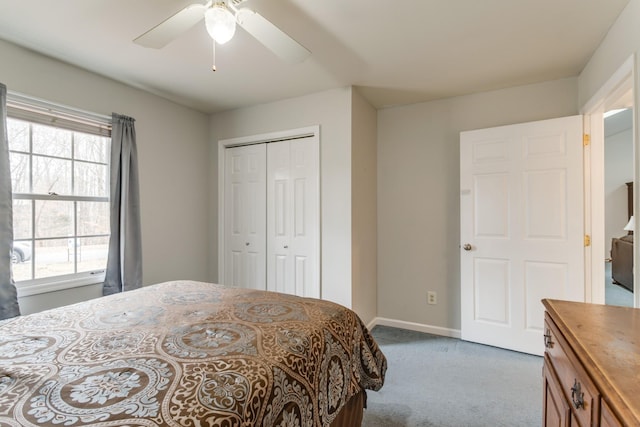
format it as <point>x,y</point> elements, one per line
<point>271,36</point>
<point>163,33</point>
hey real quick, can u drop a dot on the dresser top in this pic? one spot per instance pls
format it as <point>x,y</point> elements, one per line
<point>606,339</point>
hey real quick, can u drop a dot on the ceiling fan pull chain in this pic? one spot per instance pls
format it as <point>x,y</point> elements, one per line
<point>213,67</point>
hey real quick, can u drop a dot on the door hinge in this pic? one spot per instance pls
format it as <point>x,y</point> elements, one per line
<point>587,240</point>
<point>586,139</point>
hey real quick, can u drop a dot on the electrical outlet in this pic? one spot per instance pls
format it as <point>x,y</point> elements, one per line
<point>432,297</point>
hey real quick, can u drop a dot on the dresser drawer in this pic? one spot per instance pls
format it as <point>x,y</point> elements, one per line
<point>576,385</point>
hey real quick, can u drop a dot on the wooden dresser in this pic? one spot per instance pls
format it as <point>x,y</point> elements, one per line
<point>591,365</point>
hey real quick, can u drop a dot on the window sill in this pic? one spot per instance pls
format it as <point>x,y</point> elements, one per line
<point>29,289</point>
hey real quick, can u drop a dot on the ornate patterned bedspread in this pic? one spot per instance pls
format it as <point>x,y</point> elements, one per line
<point>186,354</point>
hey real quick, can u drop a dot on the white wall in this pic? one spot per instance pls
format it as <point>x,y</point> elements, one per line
<point>618,165</point>
<point>419,186</point>
<point>173,151</point>
<point>332,111</point>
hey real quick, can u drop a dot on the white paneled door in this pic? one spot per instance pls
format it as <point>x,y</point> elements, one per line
<point>293,217</point>
<point>272,216</point>
<point>522,228</point>
<point>245,216</point>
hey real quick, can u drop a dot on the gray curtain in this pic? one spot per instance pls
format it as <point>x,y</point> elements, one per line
<point>8,295</point>
<point>124,264</point>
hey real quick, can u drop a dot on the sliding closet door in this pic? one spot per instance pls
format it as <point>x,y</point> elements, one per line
<point>245,216</point>
<point>293,204</point>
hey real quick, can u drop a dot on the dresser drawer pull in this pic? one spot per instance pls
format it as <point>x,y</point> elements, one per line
<point>577,396</point>
<point>547,339</point>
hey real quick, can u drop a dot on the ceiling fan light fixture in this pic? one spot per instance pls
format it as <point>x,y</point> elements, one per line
<point>220,22</point>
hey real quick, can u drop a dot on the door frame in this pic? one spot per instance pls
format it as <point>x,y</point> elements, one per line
<point>304,132</point>
<point>623,79</point>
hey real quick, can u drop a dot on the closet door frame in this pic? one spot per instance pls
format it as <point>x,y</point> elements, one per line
<point>306,132</point>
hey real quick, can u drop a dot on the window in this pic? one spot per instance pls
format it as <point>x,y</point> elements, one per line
<point>60,181</point>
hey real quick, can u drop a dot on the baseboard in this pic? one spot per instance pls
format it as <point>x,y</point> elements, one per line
<point>418,327</point>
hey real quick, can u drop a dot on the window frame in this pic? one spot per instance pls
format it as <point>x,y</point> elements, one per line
<point>40,112</point>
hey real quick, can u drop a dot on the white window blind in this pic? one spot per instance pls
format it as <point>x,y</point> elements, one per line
<point>34,110</point>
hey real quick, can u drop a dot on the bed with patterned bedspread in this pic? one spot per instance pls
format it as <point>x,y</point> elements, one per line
<point>187,354</point>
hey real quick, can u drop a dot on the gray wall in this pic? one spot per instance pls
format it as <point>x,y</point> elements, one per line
<point>417,170</point>
<point>348,185</point>
<point>622,41</point>
<point>364,221</point>
<point>173,150</point>
<point>418,192</point>
<point>332,111</point>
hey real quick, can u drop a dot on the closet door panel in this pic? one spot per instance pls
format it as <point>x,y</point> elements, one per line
<point>305,211</point>
<point>278,208</point>
<point>293,217</point>
<point>245,216</point>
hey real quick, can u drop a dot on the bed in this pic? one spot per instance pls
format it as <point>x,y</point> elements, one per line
<point>187,353</point>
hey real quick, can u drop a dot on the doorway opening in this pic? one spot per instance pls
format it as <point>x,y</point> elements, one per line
<point>610,172</point>
<point>618,202</point>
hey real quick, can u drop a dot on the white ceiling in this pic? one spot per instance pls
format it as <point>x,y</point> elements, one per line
<point>396,52</point>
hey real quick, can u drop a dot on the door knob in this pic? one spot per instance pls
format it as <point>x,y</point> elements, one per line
<point>467,247</point>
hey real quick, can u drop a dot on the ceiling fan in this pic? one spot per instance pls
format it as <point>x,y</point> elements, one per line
<point>220,18</point>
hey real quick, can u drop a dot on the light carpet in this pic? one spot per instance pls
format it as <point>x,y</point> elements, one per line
<point>615,294</point>
<point>446,382</point>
